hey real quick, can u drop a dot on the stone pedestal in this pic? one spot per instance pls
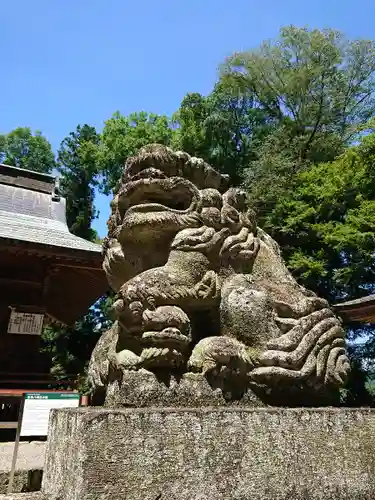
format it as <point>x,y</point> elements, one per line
<point>210,454</point>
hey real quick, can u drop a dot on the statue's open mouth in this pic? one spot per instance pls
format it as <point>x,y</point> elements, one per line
<point>156,206</point>
<point>171,194</point>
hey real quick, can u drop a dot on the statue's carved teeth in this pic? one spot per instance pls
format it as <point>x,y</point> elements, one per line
<point>158,194</point>
<point>149,173</point>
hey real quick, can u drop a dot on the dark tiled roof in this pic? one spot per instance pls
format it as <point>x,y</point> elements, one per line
<point>358,310</point>
<point>28,179</point>
<point>30,213</point>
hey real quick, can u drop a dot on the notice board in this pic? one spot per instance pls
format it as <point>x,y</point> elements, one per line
<point>36,409</point>
<point>33,418</point>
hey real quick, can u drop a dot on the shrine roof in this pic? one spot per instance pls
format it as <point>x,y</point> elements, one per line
<point>32,210</point>
<point>359,310</point>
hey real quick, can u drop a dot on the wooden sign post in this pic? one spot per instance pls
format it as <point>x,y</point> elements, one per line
<point>33,418</point>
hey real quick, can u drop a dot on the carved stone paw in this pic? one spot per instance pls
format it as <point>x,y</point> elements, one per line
<point>213,353</point>
<point>208,288</point>
<point>165,338</point>
<point>127,360</point>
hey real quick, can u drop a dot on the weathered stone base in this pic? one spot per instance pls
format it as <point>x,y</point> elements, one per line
<point>24,496</point>
<point>211,454</point>
<point>142,389</point>
<point>24,480</point>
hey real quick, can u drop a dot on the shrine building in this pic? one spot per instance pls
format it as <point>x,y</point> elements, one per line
<point>358,310</point>
<point>46,273</point>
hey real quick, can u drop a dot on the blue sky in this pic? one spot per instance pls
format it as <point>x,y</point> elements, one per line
<point>78,61</point>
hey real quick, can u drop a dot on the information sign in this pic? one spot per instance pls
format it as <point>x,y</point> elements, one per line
<point>25,323</point>
<point>33,417</point>
<point>37,406</point>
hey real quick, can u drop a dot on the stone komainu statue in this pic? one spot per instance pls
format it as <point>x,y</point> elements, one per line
<point>206,310</point>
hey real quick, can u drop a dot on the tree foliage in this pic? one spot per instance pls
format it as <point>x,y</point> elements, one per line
<point>318,88</point>
<point>315,82</point>
<point>190,131</point>
<point>326,227</point>
<point>326,224</point>
<point>122,137</point>
<point>21,148</point>
<point>224,128</point>
<point>69,348</point>
<point>76,163</point>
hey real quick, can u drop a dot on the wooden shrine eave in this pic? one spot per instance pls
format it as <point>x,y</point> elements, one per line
<point>42,264</point>
<point>357,311</point>
<point>69,282</point>
<point>65,254</point>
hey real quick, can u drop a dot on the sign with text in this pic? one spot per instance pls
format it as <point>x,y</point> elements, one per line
<point>25,323</point>
<point>36,409</point>
<point>33,418</point>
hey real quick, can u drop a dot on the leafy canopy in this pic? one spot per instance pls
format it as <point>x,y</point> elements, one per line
<point>224,128</point>
<point>21,148</point>
<point>315,82</point>
<point>326,224</point>
<point>76,163</point>
<point>122,137</point>
<point>317,88</point>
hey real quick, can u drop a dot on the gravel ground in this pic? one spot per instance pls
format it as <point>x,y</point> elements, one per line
<point>30,455</point>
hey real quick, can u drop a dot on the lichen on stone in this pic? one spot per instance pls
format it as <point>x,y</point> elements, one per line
<point>202,289</point>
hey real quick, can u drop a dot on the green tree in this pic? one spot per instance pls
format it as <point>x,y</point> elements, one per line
<point>317,87</point>
<point>326,224</point>
<point>326,228</point>
<point>224,128</point>
<point>358,390</point>
<point>190,126</point>
<point>21,148</point>
<point>122,137</point>
<point>69,348</point>
<point>76,163</point>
